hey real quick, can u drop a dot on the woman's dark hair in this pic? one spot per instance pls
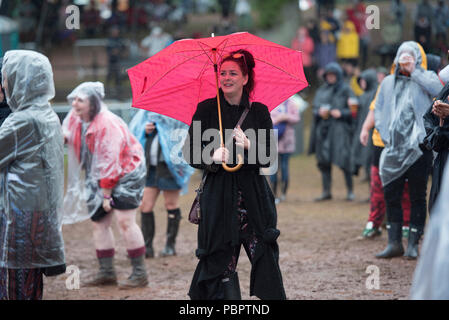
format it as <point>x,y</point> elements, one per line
<point>95,106</point>
<point>245,61</point>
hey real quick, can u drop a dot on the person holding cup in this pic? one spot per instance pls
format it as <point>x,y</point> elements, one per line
<point>330,137</point>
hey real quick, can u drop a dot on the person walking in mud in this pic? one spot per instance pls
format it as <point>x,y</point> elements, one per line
<point>166,172</point>
<point>106,177</point>
<point>31,179</point>
<point>330,137</point>
<point>237,208</point>
<point>401,102</point>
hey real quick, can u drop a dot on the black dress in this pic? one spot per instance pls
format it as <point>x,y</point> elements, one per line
<point>437,139</point>
<point>218,231</point>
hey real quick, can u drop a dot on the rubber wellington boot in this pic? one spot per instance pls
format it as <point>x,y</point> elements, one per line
<point>326,180</point>
<point>147,225</point>
<point>138,277</point>
<point>106,275</point>
<point>232,287</point>
<point>413,242</point>
<point>394,247</point>
<point>174,216</point>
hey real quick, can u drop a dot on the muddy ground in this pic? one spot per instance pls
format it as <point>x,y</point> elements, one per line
<point>322,255</point>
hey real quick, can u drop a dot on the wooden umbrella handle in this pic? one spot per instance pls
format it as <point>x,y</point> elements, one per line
<point>237,167</point>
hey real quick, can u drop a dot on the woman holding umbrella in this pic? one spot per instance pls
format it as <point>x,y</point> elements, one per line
<point>236,207</point>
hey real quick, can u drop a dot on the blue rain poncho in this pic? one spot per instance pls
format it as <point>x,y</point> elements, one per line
<point>172,134</point>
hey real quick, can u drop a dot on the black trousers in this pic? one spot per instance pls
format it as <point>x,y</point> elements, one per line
<point>417,176</point>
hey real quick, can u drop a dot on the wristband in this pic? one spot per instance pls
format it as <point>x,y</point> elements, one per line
<point>105,196</point>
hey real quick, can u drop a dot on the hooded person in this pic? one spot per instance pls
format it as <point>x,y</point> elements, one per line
<point>361,155</point>
<point>330,137</point>
<point>167,171</point>
<point>106,177</point>
<point>437,135</point>
<point>431,276</point>
<point>401,102</point>
<point>4,108</point>
<point>31,178</point>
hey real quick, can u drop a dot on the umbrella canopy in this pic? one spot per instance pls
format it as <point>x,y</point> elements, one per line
<point>175,80</point>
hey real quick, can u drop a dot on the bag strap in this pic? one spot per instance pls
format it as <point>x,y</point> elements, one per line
<point>243,116</point>
<point>239,123</point>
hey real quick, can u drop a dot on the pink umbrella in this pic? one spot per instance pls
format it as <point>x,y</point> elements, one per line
<point>173,81</point>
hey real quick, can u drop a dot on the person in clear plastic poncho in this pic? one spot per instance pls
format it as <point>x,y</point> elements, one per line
<point>401,102</point>
<point>106,177</point>
<point>31,178</point>
<point>431,277</point>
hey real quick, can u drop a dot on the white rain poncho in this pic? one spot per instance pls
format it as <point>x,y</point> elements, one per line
<point>431,278</point>
<point>171,134</point>
<point>400,106</point>
<point>31,166</point>
<point>102,153</point>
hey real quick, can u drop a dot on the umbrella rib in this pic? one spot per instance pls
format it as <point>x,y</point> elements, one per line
<point>167,72</point>
<point>276,67</point>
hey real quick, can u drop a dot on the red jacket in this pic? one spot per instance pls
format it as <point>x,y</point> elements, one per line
<point>115,150</point>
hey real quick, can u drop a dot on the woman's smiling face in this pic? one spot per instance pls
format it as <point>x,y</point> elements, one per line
<point>81,107</point>
<point>231,78</point>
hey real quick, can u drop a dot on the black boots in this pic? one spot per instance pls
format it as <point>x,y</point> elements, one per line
<point>349,186</point>
<point>106,275</point>
<point>326,179</point>
<point>394,247</point>
<point>147,225</point>
<point>413,242</point>
<point>174,216</point>
<point>231,287</point>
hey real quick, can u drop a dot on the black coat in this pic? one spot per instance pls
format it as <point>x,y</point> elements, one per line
<point>218,230</point>
<point>361,155</point>
<point>4,110</point>
<point>331,139</point>
<point>437,139</point>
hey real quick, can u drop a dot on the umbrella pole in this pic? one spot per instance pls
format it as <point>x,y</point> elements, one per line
<point>240,159</point>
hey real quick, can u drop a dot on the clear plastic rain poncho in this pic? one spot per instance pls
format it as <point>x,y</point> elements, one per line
<point>431,278</point>
<point>172,134</point>
<point>400,106</point>
<point>102,153</point>
<point>31,166</point>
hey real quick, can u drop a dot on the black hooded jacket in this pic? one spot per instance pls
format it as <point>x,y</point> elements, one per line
<point>4,108</point>
<point>330,139</point>
<point>437,139</point>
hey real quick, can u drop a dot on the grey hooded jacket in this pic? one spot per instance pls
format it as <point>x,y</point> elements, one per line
<point>330,138</point>
<point>400,106</point>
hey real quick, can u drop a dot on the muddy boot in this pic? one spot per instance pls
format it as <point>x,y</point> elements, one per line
<point>413,242</point>
<point>174,216</point>
<point>231,287</point>
<point>349,186</point>
<point>138,277</point>
<point>326,179</point>
<point>394,247</point>
<point>106,275</point>
<point>147,225</point>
